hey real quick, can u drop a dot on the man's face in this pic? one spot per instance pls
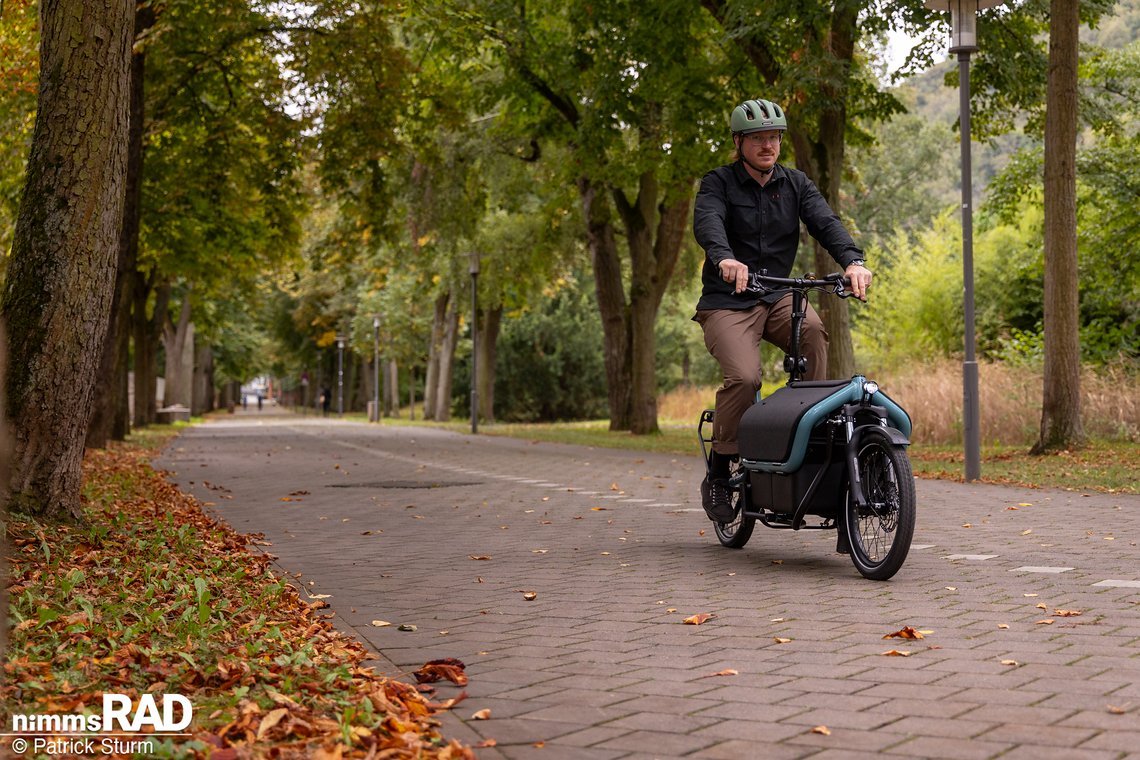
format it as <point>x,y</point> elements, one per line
<point>761,149</point>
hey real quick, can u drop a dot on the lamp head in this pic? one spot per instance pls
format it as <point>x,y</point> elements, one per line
<point>963,21</point>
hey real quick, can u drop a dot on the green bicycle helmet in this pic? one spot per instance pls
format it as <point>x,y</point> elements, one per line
<point>757,115</point>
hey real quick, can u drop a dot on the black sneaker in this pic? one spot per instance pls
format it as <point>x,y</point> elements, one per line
<point>716,498</point>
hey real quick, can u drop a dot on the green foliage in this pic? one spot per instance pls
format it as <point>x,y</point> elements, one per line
<point>1108,194</point>
<point>916,309</point>
<point>549,365</point>
<point>901,181</point>
<point>19,75</point>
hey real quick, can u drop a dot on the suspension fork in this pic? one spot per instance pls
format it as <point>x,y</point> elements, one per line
<point>853,477</point>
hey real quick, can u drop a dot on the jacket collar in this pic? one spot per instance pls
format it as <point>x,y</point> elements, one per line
<point>743,177</point>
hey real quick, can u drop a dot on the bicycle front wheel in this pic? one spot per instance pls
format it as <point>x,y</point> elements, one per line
<point>880,531</point>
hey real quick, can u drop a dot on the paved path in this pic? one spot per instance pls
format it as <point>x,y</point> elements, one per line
<point>446,532</point>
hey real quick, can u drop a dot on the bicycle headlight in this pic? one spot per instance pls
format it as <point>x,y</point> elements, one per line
<point>870,388</point>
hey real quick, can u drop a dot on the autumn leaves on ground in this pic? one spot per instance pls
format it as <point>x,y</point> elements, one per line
<point>152,596</point>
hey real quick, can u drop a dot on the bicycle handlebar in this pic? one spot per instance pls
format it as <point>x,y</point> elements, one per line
<point>836,282</point>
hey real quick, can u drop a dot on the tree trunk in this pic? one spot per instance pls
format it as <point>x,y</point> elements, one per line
<point>5,461</point>
<point>654,232</point>
<point>60,278</point>
<point>445,373</point>
<point>1061,426</point>
<point>110,419</point>
<point>202,397</point>
<point>145,332</point>
<point>488,349</point>
<point>392,403</point>
<point>611,301</point>
<point>435,342</point>
<point>178,340</point>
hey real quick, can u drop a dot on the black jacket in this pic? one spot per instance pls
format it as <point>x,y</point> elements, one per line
<point>734,217</point>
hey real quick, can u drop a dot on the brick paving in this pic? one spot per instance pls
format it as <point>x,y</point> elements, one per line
<point>393,523</point>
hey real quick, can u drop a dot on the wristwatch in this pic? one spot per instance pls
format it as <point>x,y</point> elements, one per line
<point>857,262</point>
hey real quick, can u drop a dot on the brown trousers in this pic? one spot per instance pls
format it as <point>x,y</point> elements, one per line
<point>733,338</point>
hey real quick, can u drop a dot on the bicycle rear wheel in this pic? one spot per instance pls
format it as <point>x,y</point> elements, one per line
<point>735,533</point>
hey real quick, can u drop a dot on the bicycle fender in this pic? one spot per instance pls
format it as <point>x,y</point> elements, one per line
<point>895,436</point>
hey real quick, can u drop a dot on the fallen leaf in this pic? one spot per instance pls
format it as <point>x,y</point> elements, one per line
<point>967,525</point>
<point>1010,662</point>
<point>447,668</point>
<point>270,720</point>
<point>407,627</point>
<point>671,610</point>
<point>1046,621</point>
<point>487,743</point>
<point>951,588</point>
<point>700,617</point>
<point>725,672</point>
<point>1027,532</point>
<point>614,487</point>
<point>821,730</point>
<point>1003,626</point>
<point>1041,606</point>
<point>1067,613</point>
<point>1029,595</point>
<point>701,532</point>
<point>780,640</point>
<point>1024,504</point>
<point>530,596</point>
<point>1117,710</point>
<point>538,745</point>
<point>907,632</point>
<point>483,714</point>
<point>895,653</point>
<point>597,509</point>
<point>479,556</point>
<point>380,623</point>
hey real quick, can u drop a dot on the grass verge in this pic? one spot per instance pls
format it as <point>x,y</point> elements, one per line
<point>150,595</point>
<point>1108,467</point>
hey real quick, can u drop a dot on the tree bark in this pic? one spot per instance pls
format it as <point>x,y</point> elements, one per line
<point>392,403</point>
<point>145,331</point>
<point>5,460</point>
<point>608,285</point>
<point>445,373</point>
<point>60,279</point>
<point>434,346</point>
<point>110,419</point>
<point>202,396</point>
<point>178,340</point>
<point>1061,426</point>
<point>492,320</point>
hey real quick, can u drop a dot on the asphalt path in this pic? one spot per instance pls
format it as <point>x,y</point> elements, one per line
<point>561,576</point>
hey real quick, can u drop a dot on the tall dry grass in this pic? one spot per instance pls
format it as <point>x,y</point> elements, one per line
<point>1009,401</point>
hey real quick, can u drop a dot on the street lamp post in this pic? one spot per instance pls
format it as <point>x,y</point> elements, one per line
<point>376,364</point>
<point>474,270</point>
<point>964,41</point>
<point>340,375</point>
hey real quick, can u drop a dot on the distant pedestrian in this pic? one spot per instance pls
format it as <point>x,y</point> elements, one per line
<point>326,401</point>
<point>259,402</point>
<point>244,401</point>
